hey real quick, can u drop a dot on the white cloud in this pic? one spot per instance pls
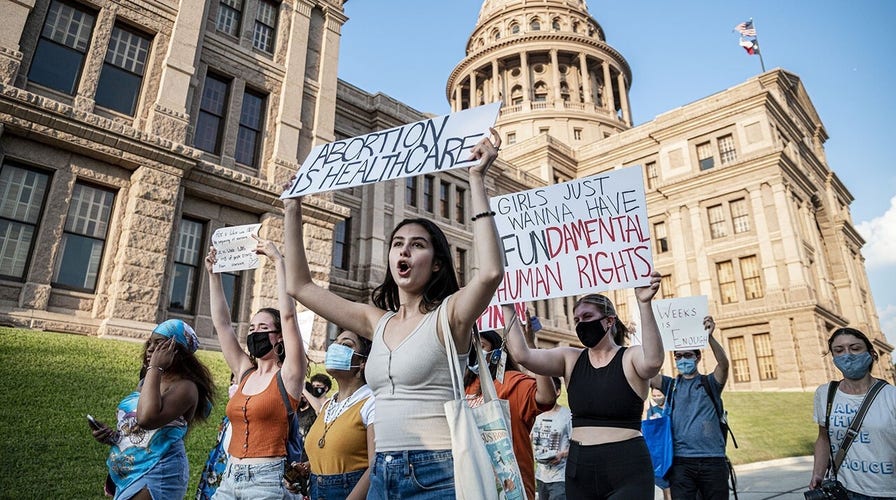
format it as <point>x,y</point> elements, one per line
<point>887,316</point>
<point>880,235</point>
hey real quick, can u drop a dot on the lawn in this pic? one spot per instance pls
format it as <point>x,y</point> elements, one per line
<point>50,381</point>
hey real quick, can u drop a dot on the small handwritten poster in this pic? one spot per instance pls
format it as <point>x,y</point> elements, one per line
<point>681,322</point>
<point>235,248</point>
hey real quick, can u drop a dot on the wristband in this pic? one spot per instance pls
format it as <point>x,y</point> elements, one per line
<point>482,215</point>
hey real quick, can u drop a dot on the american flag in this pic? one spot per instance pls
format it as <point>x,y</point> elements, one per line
<point>746,28</point>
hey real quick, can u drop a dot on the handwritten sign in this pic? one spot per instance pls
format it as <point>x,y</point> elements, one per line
<point>493,316</point>
<point>430,145</point>
<point>582,236</point>
<point>235,248</point>
<point>681,322</point>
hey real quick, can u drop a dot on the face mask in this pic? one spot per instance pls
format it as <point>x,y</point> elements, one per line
<point>590,332</point>
<point>686,366</point>
<point>318,391</point>
<point>339,357</point>
<point>659,401</point>
<point>853,366</point>
<point>259,344</point>
<point>492,357</point>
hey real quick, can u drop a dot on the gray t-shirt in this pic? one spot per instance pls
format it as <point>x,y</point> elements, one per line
<point>550,436</point>
<point>695,424</point>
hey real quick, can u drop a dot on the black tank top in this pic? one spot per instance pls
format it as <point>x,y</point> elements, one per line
<point>602,397</point>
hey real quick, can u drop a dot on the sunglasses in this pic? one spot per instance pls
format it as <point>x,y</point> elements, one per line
<point>685,355</point>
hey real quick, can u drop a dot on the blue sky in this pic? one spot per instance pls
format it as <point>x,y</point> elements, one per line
<point>680,52</point>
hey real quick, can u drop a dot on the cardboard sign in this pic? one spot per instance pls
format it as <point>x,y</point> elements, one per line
<point>493,317</point>
<point>236,248</point>
<point>681,322</point>
<point>431,145</point>
<point>583,236</point>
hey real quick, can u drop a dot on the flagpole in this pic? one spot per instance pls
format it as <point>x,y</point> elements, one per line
<point>761,62</point>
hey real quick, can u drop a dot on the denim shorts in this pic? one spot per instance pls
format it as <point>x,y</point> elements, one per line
<point>334,486</point>
<point>252,481</point>
<point>417,474</point>
<point>167,479</point>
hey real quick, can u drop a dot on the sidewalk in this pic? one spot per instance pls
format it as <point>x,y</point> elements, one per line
<point>783,479</point>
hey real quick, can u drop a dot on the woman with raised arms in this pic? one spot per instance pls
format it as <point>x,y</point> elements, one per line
<point>407,368</point>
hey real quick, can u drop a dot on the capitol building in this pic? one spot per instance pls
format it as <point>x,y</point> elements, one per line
<point>131,131</point>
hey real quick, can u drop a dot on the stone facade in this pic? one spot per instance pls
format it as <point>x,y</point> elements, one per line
<point>115,210</point>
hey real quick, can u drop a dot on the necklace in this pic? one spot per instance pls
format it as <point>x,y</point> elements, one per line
<point>331,414</point>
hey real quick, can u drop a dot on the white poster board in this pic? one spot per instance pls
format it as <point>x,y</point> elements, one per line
<point>235,248</point>
<point>430,145</point>
<point>493,317</point>
<point>681,322</point>
<point>305,321</point>
<point>583,236</point>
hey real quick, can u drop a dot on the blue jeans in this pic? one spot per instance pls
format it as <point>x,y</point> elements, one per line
<point>252,481</point>
<point>416,474</point>
<point>334,486</point>
<point>167,479</point>
<point>706,475</point>
<point>551,491</point>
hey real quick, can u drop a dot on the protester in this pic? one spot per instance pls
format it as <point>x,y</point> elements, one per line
<point>550,439</point>
<point>148,458</point>
<point>526,396</point>
<point>698,442</point>
<point>867,470</point>
<point>256,410</point>
<point>340,444</point>
<point>407,368</point>
<point>316,390</point>
<point>655,410</point>
<point>607,385</point>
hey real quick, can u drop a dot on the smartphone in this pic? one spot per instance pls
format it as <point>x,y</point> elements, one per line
<point>92,422</point>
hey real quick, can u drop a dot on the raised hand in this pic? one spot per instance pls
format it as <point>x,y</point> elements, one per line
<point>210,260</point>
<point>163,354</point>
<point>267,248</point>
<point>646,293</point>
<point>486,151</point>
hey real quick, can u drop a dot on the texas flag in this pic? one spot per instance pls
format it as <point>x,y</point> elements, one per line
<point>751,45</point>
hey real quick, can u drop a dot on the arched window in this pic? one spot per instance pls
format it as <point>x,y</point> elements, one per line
<point>516,95</point>
<point>541,92</point>
<point>535,24</point>
<point>514,28</point>
<point>496,34</point>
<point>564,91</point>
<point>575,26</point>
<point>555,24</point>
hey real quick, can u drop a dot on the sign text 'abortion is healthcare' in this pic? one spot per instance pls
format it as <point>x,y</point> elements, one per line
<point>430,145</point>
<point>582,236</point>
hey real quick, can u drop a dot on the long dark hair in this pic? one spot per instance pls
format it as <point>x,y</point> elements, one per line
<point>495,340</point>
<point>188,367</point>
<point>441,284</point>
<point>605,305</point>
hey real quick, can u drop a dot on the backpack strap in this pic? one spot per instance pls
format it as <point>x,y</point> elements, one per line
<point>723,424</point>
<point>289,409</point>
<point>853,430</point>
<point>832,391</point>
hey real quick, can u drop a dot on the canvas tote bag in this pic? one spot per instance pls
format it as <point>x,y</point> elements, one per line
<point>485,467</point>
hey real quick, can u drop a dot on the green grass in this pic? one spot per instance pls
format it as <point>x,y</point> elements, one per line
<point>50,381</point>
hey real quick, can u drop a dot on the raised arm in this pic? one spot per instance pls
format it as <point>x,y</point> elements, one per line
<point>296,362</point>
<point>472,299</point>
<point>648,359</point>
<point>359,318</point>
<point>545,362</point>
<point>237,359</point>
<point>155,408</point>
<point>721,371</point>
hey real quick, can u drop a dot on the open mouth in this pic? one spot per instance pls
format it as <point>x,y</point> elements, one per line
<point>404,269</point>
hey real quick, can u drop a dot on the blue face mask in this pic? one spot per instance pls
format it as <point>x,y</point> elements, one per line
<point>853,366</point>
<point>339,357</point>
<point>686,366</point>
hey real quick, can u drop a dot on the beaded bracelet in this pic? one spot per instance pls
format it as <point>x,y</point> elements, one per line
<point>483,215</point>
<point>158,367</point>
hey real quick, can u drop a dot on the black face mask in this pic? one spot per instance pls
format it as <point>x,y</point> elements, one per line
<point>259,344</point>
<point>318,391</point>
<point>590,332</point>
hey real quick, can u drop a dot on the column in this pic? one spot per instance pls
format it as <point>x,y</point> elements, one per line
<point>288,124</point>
<point>586,78</point>
<point>766,250</point>
<point>16,15</point>
<point>524,67</point>
<point>474,99</point>
<point>790,240</point>
<point>458,97</point>
<point>325,105</point>
<point>497,95</point>
<point>623,98</point>
<point>555,74</point>
<point>608,102</point>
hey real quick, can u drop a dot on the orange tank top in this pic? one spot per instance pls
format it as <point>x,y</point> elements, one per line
<point>258,422</point>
